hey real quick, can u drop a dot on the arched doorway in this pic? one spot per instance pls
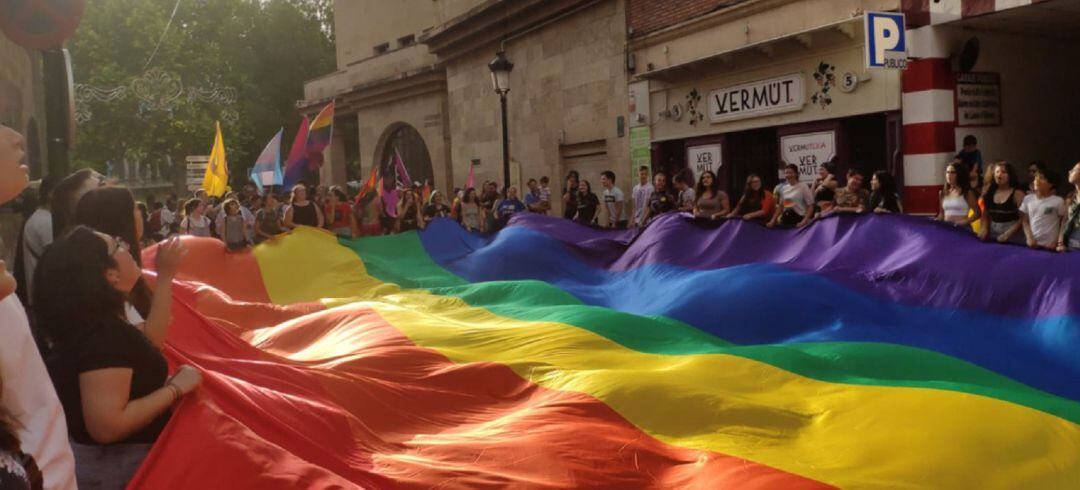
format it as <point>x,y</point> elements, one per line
<point>410,145</point>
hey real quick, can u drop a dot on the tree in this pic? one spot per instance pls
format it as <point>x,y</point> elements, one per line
<point>264,49</point>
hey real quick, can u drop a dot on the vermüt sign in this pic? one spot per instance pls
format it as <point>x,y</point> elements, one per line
<point>760,98</point>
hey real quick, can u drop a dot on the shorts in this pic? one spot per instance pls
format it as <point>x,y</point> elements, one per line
<point>387,223</point>
<point>790,218</point>
<point>622,225</point>
<point>1073,241</point>
<point>996,229</point>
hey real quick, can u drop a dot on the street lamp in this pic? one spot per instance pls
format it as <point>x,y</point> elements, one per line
<point>500,80</point>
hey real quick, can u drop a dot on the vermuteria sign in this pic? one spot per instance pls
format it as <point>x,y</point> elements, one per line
<point>761,98</point>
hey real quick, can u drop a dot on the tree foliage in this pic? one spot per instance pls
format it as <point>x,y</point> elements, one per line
<point>265,49</point>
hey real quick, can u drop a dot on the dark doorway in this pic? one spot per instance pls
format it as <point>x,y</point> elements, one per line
<point>751,152</point>
<point>866,141</point>
<point>410,145</point>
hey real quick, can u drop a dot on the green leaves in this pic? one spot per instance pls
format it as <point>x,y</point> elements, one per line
<point>264,49</point>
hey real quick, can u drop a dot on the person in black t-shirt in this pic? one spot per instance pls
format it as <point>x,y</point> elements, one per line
<point>587,204</point>
<point>661,201</point>
<point>109,374</point>
<point>437,208</point>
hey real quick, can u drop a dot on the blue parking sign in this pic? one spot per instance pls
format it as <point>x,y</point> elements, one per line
<point>886,40</point>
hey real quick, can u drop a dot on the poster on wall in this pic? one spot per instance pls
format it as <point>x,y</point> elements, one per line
<point>807,151</point>
<point>640,149</point>
<point>704,158</point>
<point>978,99</point>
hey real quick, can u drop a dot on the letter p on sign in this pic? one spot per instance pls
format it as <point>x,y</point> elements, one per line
<point>886,44</point>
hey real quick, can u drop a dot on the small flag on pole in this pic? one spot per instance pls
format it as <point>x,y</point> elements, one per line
<point>369,184</point>
<point>402,174</point>
<point>267,168</point>
<point>216,180</point>
<point>470,181</point>
<point>297,162</point>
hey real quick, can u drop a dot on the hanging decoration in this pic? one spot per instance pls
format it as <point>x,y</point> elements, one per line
<point>156,90</point>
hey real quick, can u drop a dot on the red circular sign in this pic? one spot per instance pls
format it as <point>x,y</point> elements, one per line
<point>40,24</point>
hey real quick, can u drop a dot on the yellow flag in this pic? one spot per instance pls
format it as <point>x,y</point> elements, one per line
<point>216,181</point>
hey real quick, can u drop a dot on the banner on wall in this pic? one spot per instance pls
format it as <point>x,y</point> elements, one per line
<point>807,151</point>
<point>704,158</point>
<point>978,99</point>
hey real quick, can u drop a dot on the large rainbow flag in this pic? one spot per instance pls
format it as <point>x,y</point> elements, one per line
<point>860,352</point>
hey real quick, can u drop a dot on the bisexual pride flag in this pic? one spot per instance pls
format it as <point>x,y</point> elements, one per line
<point>859,352</point>
<point>267,168</point>
<point>296,164</point>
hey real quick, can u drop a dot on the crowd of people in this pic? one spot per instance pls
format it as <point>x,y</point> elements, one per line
<point>86,389</point>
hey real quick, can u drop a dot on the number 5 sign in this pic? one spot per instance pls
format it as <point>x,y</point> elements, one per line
<point>886,40</point>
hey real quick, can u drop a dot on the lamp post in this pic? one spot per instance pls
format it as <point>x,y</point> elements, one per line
<point>500,80</point>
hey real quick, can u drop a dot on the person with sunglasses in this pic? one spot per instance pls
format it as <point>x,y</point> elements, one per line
<point>110,375</point>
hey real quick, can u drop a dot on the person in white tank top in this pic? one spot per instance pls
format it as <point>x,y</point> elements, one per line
<point>959,205</point>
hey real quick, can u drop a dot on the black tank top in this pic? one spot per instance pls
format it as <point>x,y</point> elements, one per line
<point>1005,212</point>
<point>305,215</point>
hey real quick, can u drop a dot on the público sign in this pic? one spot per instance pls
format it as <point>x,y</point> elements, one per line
<point>760,98</point>
<point>886,40</point>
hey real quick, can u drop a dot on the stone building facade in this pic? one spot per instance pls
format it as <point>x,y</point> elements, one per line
<point>426,82</point>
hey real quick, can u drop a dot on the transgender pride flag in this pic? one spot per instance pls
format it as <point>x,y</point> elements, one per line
<point>267,168</point>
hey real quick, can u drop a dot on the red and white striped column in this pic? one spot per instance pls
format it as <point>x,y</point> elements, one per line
<point>929,117</point>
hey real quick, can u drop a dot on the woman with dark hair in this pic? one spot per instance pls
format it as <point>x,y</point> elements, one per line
<point>195,222</point>
<point>111,377</point>
<point>339,216</point>
<point>472,213</point>
<point>883,195</point>
<point>712,203</point>
<point>112,211</point>
<point>1070,232</point>
<point>570,193</point>
<point>410,214</point>
<point>66,196</point>
<point>1002,199</point>
<point>302,212</point>
<point>797,202</point>
<point>588,204</point>
<point>959,205</point>
<point>756,202</point>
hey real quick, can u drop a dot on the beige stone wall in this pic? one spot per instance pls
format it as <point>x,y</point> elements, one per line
<point>568,86</point>
<point>371,70</point>
<point>425,113</point>
<point>447,10</point>
<point>362,24</point>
